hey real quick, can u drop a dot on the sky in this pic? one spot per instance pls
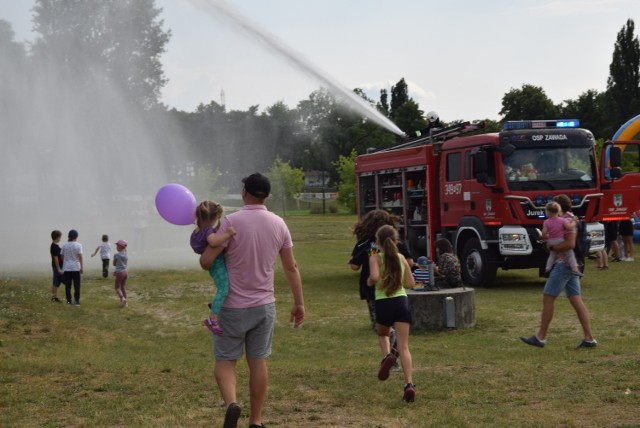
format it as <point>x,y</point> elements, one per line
<point>459,57</point>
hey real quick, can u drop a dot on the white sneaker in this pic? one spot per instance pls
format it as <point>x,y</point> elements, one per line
<point>629,259</point>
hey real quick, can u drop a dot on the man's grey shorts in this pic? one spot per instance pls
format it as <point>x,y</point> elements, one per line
<point>248,328</point>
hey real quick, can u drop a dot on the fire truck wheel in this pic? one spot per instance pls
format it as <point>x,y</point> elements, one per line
<point>476,269</point>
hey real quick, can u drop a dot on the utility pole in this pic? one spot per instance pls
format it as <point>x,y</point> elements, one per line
<point>323,195</point>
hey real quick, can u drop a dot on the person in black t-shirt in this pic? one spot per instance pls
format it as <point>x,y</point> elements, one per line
<point>56,264</point>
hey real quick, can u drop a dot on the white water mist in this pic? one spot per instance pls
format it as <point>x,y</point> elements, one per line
<point>78,155</point>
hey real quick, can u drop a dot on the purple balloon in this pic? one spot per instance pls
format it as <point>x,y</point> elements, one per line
<point>176,204</point>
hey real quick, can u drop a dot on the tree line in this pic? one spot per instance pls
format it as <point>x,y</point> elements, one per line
<point>100,49</point>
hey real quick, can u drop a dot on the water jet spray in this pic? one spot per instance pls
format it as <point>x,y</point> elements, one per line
<point>222,8</point>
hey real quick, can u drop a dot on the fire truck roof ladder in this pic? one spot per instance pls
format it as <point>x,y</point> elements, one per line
<point>436,135</point>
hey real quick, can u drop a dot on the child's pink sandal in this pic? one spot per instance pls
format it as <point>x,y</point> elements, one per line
<point>213,326</point>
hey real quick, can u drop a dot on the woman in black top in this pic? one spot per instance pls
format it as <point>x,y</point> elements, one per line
<point>365,232</point>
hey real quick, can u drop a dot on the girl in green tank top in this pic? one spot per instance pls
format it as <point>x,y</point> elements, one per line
<point>390,273</point>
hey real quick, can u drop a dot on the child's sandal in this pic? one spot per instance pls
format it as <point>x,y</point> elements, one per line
<point>213,326</point>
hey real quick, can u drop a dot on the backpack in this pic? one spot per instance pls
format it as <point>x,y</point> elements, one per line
<point>583,240</point>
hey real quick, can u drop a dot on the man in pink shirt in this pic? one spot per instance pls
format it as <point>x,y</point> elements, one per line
<point>248,313</point>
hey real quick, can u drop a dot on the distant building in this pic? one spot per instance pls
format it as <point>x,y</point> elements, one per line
<point>314,178</point>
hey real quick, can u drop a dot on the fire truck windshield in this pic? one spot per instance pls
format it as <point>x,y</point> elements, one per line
<point>550,168</point>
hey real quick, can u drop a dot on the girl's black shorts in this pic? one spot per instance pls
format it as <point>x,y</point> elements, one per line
<point>392,310</point>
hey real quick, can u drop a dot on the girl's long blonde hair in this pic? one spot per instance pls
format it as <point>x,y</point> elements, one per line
<point>208,212</point>
<point>387,238</point>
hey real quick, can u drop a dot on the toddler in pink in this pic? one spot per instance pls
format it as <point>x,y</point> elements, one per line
<point>554,229</point>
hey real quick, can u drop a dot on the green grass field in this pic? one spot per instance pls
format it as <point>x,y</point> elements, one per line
<point>151,365</point>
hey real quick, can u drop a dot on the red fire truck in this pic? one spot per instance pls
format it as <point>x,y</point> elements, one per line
<point>486,193</point>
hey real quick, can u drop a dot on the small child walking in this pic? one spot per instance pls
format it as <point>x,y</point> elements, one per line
<point>554,229</point>
<point>390,273</point>
<point>121,272</point>
<point>56,264</point>
<point>105,254</point>
<point>208,215</point>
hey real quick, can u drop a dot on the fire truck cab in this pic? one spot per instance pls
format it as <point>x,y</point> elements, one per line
<point>486,193</point>
<point>620,183</point>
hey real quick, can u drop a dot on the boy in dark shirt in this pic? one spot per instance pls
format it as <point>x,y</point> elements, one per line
<point>56,264</point>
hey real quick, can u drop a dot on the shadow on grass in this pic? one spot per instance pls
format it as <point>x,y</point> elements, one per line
<point>517,280</point>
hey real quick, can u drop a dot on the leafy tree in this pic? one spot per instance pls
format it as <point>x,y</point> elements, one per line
<point>285,181</point>
<point>623,84</point>
<point>239,142</point>
<point>359,92</point>
<point>491,126</point>
<point>316,110</point>
<point>324,122</point>
<point>14,78</point>
<point>399,96</point>
<point>383,104</point>
<point>204,184</point>
<point>202,129</point>
<point>589,108</point>
<point>248,144</point>
<point>235,141</point>
<point>283,130</point>
<point>311,136</point>
<point>346,167</point>
<point>104,42</point>
<point>404,111</point>
<point>599,144</point>
<point>366,135</point>
<point>530,102</point>
<point>333,129</point>
<point>409,117</point>
<point>12,52</point>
